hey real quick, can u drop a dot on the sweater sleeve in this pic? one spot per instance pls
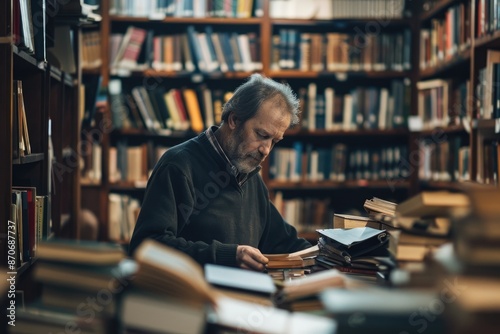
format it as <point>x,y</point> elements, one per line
<point>168,203</point>
<point>279,236</point>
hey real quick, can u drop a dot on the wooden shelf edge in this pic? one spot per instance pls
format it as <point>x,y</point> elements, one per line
<point>344,133</point>
<point>90,184</point>
<point>194,76</point>
<point>484,124</point>
<point>27,159</point>
<point>488,40</point>
<point>165,133</point>
<point>27,58</point>
<point>128,185</point>
<point>441,6</point>
<point>459,59</point>
<point>450,129</point>
<point>463,186</point>
<point>341,75</point>
<point>60,76</point>
<point>339,20</point>
<point>24,266</point>
<point>189,20</point>
<point>334,185</point>
<point>91,71</point>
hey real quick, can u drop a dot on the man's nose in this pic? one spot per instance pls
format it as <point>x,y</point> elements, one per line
<point>265,148</point>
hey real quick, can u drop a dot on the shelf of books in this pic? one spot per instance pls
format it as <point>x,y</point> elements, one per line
<point>166,85</point>
<point>40,111</point>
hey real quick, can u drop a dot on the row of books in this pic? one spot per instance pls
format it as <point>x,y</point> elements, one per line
<point>339,163</point>
<point>338,9</point>
<point>29,23</point>
<point>133,163</point>
<point>21,145</point>
<point>487,17</point>
<point>442,104</point>
<point>123,211</point>
<point>443,160</point>
<point>307,51</point>
<point>434,103</point>
<point>488,88</point>
<point>91,173</point>
<point>488,167</point>
<point>305,214</point>
<point>91,50</point>
<point>162,111</point>
<point>361,108</point>
<point>446,37</point>
<point>206,51</point>
<point>29,224</point>
<point>159,9</point>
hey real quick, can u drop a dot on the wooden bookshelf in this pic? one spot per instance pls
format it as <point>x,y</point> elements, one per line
<point>189,20</point>
<point>438,8</point>
<point>461,66</point>
<point>264,26</point>
<point>332,185</point>
<point>47,93</point>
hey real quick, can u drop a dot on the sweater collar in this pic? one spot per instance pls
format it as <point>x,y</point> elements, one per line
<point>241,177</point>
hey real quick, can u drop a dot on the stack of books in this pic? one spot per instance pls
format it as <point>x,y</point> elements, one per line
<point>472,263</point>
<point>290,265</point>
<point>361,251</point>
<point>425,221</point>
<point>302,294</point>
<point>381,210</point>
<point>80,283</point>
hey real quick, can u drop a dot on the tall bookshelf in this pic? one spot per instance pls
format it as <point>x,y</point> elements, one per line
<point>470,133</point>
<point>344,193</point>
<point>48,93</point>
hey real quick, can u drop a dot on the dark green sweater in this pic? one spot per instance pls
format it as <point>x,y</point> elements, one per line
<point>194,203</point>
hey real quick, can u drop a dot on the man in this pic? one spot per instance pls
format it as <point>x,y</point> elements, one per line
<point>205,196</point>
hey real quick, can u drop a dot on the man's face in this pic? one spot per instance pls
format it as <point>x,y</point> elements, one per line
<point>251,142</point>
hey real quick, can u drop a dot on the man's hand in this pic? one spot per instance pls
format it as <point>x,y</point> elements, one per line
<point>248,257</point>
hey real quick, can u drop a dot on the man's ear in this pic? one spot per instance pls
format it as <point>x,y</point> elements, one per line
<point>232,121</point>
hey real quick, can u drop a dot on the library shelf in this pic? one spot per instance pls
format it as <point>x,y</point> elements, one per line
<point>23,61</point>
<point>381,22</point>
<point>189,20</point>
<point>91,71</point>
<point>488,41</point>
<point>327,185</point>
<point>292,133</point>
<point>484,124</point>
<point>448,67</point>
<point>452,129</point>
<point>340,75</point>
<point>438,8</point>
<point>28,159</point>
<point>128,186</point>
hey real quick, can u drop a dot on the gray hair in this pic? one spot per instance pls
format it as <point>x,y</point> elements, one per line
<point>248,98</point>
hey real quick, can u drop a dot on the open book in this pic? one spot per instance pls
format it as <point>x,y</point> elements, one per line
<point>299,259</point>
<point>173,274</point>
